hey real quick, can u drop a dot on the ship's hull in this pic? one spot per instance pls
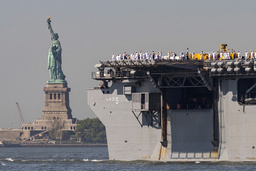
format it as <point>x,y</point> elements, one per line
<point>222,131</point>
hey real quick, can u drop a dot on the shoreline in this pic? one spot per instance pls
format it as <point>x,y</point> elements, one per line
<point>55,145</point>
<point>63,145</point>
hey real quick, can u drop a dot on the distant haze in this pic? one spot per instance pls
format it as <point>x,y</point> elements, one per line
<point>91,30</point>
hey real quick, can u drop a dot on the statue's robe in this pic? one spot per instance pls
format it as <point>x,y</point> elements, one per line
<point>54,60</point>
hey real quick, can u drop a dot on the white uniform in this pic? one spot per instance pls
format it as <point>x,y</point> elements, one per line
<point>113,56</point>
<point>144,55</point>
<point>160,55</point>
<point>202,55</point>
<point>246,55</point>
<point>181,55</point>
<point>136,56</point>
<point>238,55</point>
<point>225,55</point>
<point>209,55</point>
<point>173,55</point>
<point>147,55</point>
<point>193,55</point>
<point>213,55</point>
<point>221,55</point>
<point>252,55</point>
<point>132,56</point>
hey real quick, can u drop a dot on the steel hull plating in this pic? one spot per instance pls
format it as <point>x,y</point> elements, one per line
<point>221,131</point>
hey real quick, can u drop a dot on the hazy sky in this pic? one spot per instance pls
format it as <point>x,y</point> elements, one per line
<point>90,31</point>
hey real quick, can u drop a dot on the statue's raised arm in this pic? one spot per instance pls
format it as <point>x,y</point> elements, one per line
<point>49,25</point>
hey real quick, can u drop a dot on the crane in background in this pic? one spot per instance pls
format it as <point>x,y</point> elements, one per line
<point>20,113</point>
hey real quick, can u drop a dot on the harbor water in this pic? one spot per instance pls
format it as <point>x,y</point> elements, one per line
<point>95,158</point>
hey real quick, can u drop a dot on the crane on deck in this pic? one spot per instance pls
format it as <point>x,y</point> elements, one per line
<point>20,113</point>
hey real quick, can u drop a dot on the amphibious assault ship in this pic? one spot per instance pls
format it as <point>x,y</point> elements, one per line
<point>177,110</point>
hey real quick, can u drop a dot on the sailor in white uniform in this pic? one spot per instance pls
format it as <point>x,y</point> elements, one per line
<point>144,55</point>
<point>193,55</point>
<point>209,55</point>
<point>113,56</point>
<point>202,55</point>
<point>228,55</point>
<point>252,54</point>
<point>225,55</point>
<point>213,55</point>
<point>136,56</point>
<point>173,55</point>
<point>160,55</point>
<point>238,55</point>
<point>141,56</point>
<point>181,55</point>
<point>147,55</point>
<point>246,55</point>
<point>132,56</point>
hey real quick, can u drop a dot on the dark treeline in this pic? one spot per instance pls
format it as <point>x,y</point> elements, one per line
<point>91,131</point>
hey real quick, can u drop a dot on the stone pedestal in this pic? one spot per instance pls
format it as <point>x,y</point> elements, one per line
<point>56,102</point>
<point>56,112</point>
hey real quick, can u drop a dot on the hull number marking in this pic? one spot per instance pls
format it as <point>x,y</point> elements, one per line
<point>112,99</point>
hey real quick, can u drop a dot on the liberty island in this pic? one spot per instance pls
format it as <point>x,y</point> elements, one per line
<point>56,114</point>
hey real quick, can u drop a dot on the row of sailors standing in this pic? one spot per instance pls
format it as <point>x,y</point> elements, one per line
<point>223,55</point>
<point>172,55</point>
<point>217,55</point>
<point>137,56</point>
<point>252,54</point>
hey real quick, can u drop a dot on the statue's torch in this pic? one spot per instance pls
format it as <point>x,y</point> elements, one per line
<point>48,19</point>
<point>49,22</point>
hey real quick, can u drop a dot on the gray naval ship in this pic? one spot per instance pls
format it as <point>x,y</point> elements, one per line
<point>178,110</point>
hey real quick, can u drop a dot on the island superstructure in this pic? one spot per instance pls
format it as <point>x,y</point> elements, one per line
<point>177,110</point>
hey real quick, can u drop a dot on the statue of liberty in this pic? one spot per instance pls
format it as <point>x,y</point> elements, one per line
<point>54,57</point>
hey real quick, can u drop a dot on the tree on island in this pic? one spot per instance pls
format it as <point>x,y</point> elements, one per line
<point>56,130</point>
<point>91,131</point>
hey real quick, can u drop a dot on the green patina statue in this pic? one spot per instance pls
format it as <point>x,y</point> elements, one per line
<point>54,58</point>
